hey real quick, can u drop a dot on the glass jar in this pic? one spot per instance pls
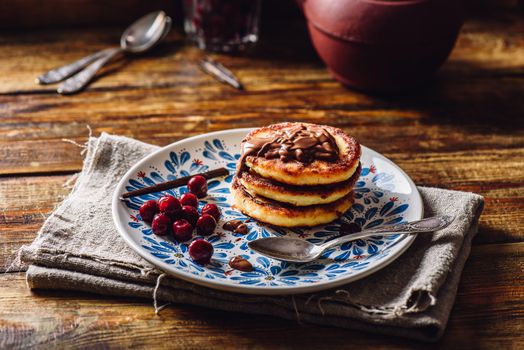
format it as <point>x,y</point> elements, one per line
<point>222,25</point>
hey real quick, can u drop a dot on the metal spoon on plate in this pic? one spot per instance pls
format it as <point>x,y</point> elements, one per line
<point>139,37</point>
<point>301,251</point>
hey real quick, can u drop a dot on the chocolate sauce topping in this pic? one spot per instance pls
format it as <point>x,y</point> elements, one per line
<point>300,143</point>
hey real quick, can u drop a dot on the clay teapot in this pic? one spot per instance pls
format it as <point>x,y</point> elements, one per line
<point>383,45</point>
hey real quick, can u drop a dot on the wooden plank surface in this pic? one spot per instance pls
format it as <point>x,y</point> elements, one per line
<point>27,201</point>
<point>489,45</point>
<point>484,74</point>
<point>465,131</point>
<point>483,317</point>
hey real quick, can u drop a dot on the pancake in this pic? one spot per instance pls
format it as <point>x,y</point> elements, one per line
<point>297,195</point>
<point>318,171</point>
<point>285,215</point>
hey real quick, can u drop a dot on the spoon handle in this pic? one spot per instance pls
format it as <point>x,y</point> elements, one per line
<point>79,81</point>
<point>60,73</point>
<point>430,224</point>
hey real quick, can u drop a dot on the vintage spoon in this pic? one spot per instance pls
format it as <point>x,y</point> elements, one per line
<point>59,74</point>
<point>137,38</point>
<point>141,36</point>
<point>300,251</point>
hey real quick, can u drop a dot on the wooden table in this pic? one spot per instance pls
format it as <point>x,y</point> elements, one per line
<point>465,132</point>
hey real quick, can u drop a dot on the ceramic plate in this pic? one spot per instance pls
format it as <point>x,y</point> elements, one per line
<point>384,195</point>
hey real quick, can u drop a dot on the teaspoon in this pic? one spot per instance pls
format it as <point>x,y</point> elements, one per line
<point>300,251</point>
<point>139,37</point>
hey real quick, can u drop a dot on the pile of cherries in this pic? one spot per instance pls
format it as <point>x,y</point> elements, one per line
<point>180,217</point>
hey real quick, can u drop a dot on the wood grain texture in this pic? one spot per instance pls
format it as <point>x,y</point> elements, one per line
<point>486,47</point>
<point>483,317</point>
<point>465,131</point>
<point>284,82</point>
<point>26,201</point>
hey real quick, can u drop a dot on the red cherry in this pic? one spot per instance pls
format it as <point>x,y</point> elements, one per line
<point>201,251</point>
<point>206,225</point>
<point>148,210</point>
<point>182,230</point>
<point>189,199</point>
<point>190,214</point>
<point>170,205</point>
<point>198,186</point>
<point>212,210</point>
<point>161,224</point>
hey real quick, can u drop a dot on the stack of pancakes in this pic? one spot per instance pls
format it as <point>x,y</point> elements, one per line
<point>296,174</point>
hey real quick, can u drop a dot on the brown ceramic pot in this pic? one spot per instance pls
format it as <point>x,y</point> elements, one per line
<point>383,45</point>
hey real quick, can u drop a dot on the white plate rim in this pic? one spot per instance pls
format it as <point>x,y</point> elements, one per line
<point>249,289</point>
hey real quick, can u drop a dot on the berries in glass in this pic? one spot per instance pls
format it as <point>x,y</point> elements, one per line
<point>189,199</point>
<point>212,210</point>
<point>206,224</point>
<point>169,205</point>
<point>201,251</point>
<point>198,186</point>
<point>148,210</point>
<point>161,224</point>
<point>182,230</point>
<point>222,25</point>
<point>190,214</point>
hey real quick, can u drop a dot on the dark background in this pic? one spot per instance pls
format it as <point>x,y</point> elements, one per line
<point>36,14</point>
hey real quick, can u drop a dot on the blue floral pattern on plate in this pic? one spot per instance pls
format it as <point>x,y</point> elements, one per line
<point>378,201</point>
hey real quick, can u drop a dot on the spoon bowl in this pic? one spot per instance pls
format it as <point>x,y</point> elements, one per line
<point>145,32</point>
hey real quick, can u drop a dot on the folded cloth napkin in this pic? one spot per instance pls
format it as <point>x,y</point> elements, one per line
<point>78,248</point>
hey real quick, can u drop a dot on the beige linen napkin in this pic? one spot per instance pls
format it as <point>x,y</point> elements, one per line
<point>78,248</point>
